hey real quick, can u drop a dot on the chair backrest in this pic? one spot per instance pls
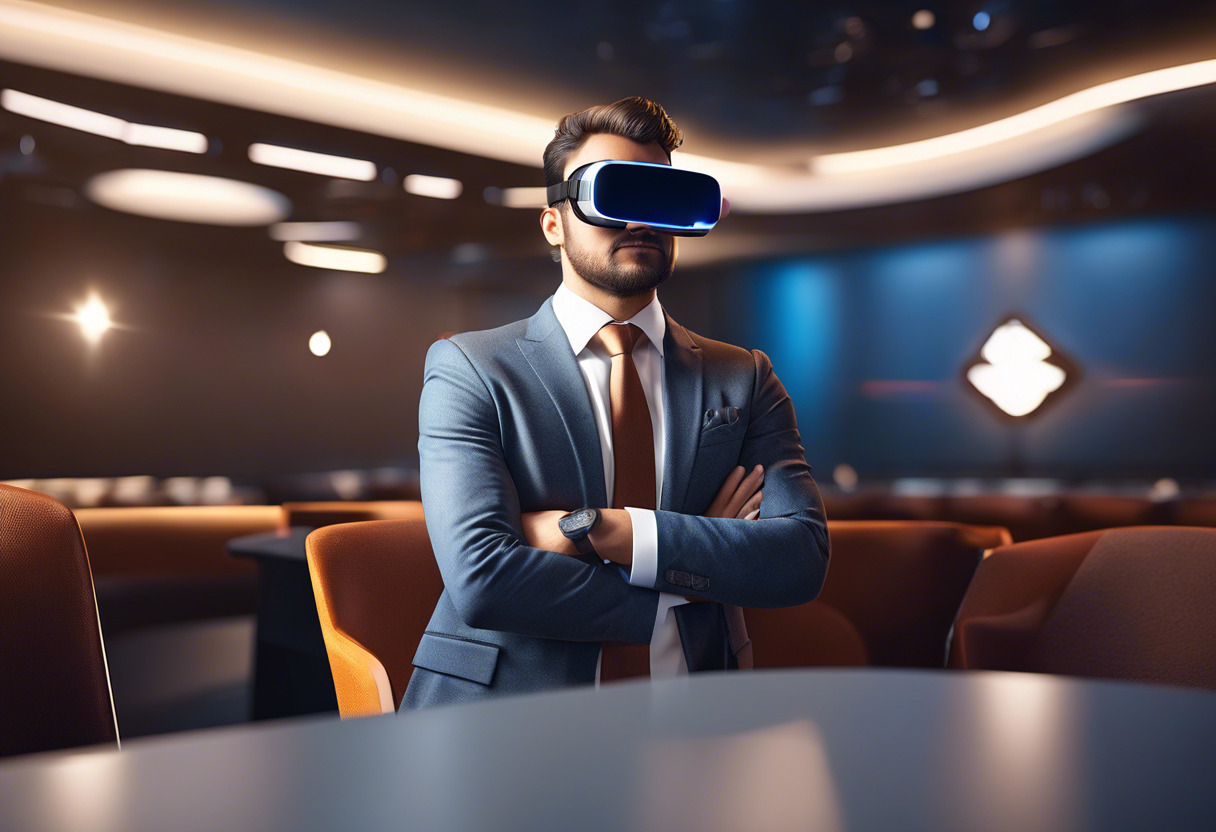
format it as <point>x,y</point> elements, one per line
<point>889,599</point>
<point>54,687</point>
<point>376,584</point>
<point>1135,603</point>
<point>331,512</point>
<point>171,540</point>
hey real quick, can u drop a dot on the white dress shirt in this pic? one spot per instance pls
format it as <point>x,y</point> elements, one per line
<point>581,319</point>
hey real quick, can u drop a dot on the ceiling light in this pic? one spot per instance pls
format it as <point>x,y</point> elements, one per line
<point>99,124</point>
<point>168,138</point>
<point>981,21</point>
<point>923,19</point>
<point>342,167</point>
<point>94,46</point>
<point>1047,115</point>
<point>65,115</point>
<point>319,343</point>
<point>518,197</point>
<point>316,231</point>
<point>438,187</point>
<point>1014,373</point>
<point>338,258</point>
<point>94,319</point>
<point>187,197</point>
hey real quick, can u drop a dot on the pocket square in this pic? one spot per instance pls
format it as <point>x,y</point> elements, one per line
<point>721,416</point>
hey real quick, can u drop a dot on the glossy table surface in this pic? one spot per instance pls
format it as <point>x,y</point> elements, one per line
<point>861,749</point>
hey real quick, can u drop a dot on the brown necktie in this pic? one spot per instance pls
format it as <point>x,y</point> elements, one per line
<point>633,459</point>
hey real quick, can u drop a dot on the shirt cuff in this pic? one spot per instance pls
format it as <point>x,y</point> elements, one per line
<point>645,547</point>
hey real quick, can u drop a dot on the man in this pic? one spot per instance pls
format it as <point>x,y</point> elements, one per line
<point>666,433</point>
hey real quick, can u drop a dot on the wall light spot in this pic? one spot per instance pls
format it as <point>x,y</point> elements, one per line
<point>319,343</point>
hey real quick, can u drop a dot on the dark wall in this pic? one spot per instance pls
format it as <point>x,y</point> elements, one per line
<point>872,345</point>
<point>211,373</point>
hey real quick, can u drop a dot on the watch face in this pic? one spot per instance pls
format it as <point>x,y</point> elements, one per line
<point>576,521</point>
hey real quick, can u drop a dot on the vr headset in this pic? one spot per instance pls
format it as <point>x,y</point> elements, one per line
<point>613,194</point>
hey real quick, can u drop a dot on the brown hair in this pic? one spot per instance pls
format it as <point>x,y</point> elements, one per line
<point>638,119</point>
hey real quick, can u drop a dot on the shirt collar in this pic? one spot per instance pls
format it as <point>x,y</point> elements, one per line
<point>581,319</point>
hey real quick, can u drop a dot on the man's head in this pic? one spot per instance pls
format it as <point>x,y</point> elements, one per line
<point>621,262</point>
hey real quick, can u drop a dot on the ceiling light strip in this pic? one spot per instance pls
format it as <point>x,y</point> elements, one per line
<point>436,187</point>
<point>1079,103</point>
<point>100,124</point>
<point>99,47</point>
<point>339,258</point>
<point>323,164</point>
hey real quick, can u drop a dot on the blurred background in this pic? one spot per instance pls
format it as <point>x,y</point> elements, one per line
<point>1050,162</point>
<point>977,239</point>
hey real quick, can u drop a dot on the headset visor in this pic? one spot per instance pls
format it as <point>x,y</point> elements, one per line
<point>614,194</point>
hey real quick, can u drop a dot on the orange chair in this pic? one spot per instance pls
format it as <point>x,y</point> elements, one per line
<point>376,584</point>
<point>54,686</point>
<point>890,597</point>
<point>1133,603</point>
<point>330,512</point>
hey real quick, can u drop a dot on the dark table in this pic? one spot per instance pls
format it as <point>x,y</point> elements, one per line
<point>823,750</point>
<point>291,674</point>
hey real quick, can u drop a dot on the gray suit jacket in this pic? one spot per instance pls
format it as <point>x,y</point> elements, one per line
<point>505,427</point>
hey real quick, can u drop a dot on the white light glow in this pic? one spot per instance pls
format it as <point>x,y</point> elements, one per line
<point>1056,112</point>
<point>168,138</point>
<point>94,319</point>
<point>65,115</point>
<point>339,258</point>
<point>924,19</point>
<point>1016,377</point>
<point>319,343</point>
<point>187,197</point>
<point>99,124</point>
<point>523,197</point>
<point>437,187</point>
<point>323,164</point>
<point>316,231</point>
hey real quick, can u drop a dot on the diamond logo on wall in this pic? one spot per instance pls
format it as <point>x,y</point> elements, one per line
<point>1017,369</point>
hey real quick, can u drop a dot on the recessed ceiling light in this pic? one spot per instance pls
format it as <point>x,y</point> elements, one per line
<point>924,19</point>
<point>100,124</point>
<point>517,197</point>
<point>187,197</point>
<point>323,164</point>
<point>339,258</point>
<point>437,187</point>
<point>316,231</point>
<point>319,343</point>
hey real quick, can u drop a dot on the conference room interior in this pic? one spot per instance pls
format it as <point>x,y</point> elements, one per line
<point>997,335</point>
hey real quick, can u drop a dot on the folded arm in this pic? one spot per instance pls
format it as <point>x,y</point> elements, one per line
<point>494,578</point>
<point>779,561</point>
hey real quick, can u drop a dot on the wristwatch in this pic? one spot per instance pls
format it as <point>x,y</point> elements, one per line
<point>577,525</point>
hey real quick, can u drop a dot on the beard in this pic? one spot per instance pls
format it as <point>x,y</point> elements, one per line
<point>622,280</point>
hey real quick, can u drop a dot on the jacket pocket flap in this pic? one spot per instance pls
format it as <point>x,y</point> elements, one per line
<point>472,660</point>
<point>723,433</point>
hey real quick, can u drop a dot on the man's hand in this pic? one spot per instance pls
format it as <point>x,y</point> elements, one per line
<point>739,496</point>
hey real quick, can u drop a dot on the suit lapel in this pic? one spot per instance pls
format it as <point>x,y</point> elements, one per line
<point>547,350</point>
<point>682,404</point>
